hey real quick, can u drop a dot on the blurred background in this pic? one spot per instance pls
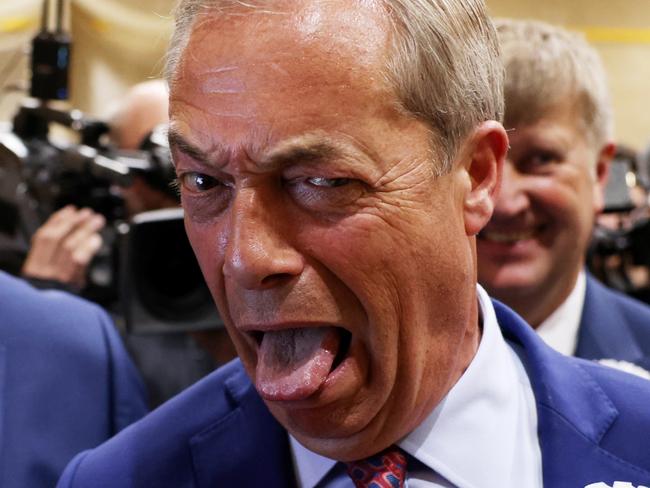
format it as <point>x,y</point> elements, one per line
<point>118,43</point>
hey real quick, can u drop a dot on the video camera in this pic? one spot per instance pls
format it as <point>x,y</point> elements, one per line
<point>616,251</point>
<point>39,175</point>
<point>46,175</point>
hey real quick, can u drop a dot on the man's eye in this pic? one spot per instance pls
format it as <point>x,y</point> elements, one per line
<point>542,158</point>
<point>318,193</point>
<point>539,160</point>
<point>328,182</point>
<point>198,182</point>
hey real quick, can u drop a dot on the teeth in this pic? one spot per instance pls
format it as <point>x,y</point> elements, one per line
<point>508,237</point>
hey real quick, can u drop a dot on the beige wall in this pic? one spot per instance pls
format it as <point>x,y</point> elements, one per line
<point>116,43</point>
<point>620,31</point>
<point>120,42</point>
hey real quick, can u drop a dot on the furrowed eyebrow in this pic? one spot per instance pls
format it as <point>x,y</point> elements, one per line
<point>302,149</point>
<point>178,141</point>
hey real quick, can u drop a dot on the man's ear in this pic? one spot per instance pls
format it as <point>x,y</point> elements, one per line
<point>603,163</point>
<point>484,159</point>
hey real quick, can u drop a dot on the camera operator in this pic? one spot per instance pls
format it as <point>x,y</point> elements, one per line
<point>63,247</point>
<point>131,121</point>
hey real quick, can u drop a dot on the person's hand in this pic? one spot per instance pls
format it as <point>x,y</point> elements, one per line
<point>64,245</point>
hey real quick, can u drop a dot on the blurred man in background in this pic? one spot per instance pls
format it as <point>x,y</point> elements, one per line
<point>67,383</point>
<point>532,253</point>
<point>144,107</point>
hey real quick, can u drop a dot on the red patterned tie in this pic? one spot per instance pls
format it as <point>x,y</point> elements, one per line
<point>384,470</point>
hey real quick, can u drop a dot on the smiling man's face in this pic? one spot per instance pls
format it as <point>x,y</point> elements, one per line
<point>531,252</point>
<point>340,264</point>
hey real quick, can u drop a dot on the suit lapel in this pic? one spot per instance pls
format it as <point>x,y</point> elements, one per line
<point>604,332</point>
<point>246,447</point>
<point>573,412</point>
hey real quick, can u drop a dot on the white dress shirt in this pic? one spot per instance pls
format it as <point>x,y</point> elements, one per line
<point>560,329</point>
<point>483,434</point>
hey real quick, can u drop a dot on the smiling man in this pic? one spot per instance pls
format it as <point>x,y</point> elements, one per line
<point>532,253</point>
<point>336,160</point>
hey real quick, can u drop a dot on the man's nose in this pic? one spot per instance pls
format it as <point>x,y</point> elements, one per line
<point>259,254</point>
<point>513,197</point>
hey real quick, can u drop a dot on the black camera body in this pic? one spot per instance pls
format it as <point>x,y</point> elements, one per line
<point>39,176</point>
<point>622,249</point>
<point>161,283</point>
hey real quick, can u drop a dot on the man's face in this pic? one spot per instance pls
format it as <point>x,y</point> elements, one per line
<point>339,263</point>
<point>535,244</point>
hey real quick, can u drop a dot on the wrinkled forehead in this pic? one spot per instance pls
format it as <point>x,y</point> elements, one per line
<point>252,79</point>
<point>300,43</point>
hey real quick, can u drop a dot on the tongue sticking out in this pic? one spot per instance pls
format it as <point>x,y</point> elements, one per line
<point>292,364</point>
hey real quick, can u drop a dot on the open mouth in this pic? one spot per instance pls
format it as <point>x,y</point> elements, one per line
<point>344,348</point>
<point>510,237</point>
<point>293,364</point>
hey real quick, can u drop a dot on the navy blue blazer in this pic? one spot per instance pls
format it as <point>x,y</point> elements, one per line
<point>66,383</point>
<point>593,425</point>
<point>613,326</point>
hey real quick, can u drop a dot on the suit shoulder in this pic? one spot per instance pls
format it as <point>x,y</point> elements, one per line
<point>183,442</point>
<point>160,440</point>
<point>57,315</point>
<point>210,399</point>
<point>22,299</point>
<point>626,390</point>
<point>631,306</point>
<point>614,309</point>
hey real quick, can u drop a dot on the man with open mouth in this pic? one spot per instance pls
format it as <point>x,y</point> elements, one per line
<point>336,160</point>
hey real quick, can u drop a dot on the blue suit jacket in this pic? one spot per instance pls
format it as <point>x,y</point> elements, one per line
<point>594,423</point>
<point>613,326</point>
<point>66,383</point>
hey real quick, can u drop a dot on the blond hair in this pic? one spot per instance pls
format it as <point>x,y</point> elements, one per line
<point>548,66</point>
<point>444,63</point>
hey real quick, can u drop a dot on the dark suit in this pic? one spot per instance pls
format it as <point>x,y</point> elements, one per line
<point>66,383</point>
<point>613,326</point>
<point>593,426</point>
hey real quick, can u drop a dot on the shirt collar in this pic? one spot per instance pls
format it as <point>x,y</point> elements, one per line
<point>560,329</point>
<point>475,421</point>
<point>309,467</point>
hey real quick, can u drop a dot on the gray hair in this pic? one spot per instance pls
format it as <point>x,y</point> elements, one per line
<point>444,65</point>
<point>547,66</point>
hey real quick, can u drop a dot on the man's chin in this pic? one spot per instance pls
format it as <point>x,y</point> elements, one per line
<point>325,422</point>
<point>345,432</point>
<point>335,440</point>
<point>513,280</point>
